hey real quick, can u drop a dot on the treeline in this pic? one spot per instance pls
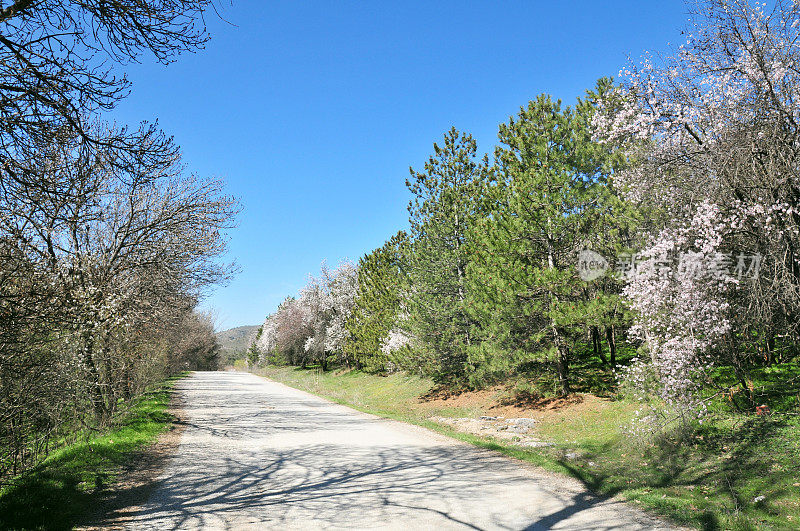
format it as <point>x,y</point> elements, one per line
<point>485,283</point>
<point>658,217</point>
<point>105,242</point>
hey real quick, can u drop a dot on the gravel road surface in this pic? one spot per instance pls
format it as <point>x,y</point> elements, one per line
<point>258,454</point>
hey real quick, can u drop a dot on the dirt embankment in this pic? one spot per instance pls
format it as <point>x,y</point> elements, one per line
<point>513,419</point>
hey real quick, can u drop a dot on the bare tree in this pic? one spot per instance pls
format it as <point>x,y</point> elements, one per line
<point>106,243</point>
<point>57,69</point>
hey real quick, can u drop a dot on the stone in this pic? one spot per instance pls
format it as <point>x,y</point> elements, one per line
<point>522,422</point>
<point>534,444</point>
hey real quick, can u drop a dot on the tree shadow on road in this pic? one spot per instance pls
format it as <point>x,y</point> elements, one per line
<point>248,460</point>
<point>364,488</point>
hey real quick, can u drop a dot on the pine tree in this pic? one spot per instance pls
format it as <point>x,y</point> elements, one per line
<point>545,206</point>
<point>381,283</point>
<point>445,204</point>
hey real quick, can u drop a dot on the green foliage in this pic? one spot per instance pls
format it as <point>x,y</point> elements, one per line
<point>252,351</point>
<point>549,201</point>
<point>381,283</point>
<point>447,200</point>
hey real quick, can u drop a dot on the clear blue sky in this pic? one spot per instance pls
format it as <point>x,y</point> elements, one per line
<point>314,110</point>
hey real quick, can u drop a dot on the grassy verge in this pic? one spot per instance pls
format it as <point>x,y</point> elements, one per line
<point>735,472</point>
<point>63,489</point>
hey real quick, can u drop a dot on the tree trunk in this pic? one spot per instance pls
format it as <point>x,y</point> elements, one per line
<point>110,404</point>
<point>770,348</point>
<point>562,350</point>
<point>127,388</point>
<point>597,345</point>
<point>562,362</point>
<point>562,365</point>
<point>612,345</point>
<point>95,392</point>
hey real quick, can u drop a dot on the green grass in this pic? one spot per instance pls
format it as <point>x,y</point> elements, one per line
<point>63,489</point>
<point>776,385</point>
<point>708,478</point>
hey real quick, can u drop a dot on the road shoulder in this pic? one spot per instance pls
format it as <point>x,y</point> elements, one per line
<point>136,482</point>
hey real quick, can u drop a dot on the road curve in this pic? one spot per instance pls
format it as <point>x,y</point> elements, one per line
<point>258,454</point>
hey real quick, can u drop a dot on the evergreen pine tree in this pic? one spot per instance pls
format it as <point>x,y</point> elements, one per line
<point>545,206</point>
<point>381,283</point>
<point>445,204</point>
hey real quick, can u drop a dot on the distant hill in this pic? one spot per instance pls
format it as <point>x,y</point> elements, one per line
<point>236,340</point>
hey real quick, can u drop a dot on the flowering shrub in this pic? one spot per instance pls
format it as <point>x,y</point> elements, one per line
<point>711,132</point>
<point>681,313</point>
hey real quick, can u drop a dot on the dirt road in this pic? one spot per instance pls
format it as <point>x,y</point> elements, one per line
<point>258,454</point>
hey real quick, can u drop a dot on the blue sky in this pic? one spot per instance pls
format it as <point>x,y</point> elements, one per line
<point>312,111</point>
